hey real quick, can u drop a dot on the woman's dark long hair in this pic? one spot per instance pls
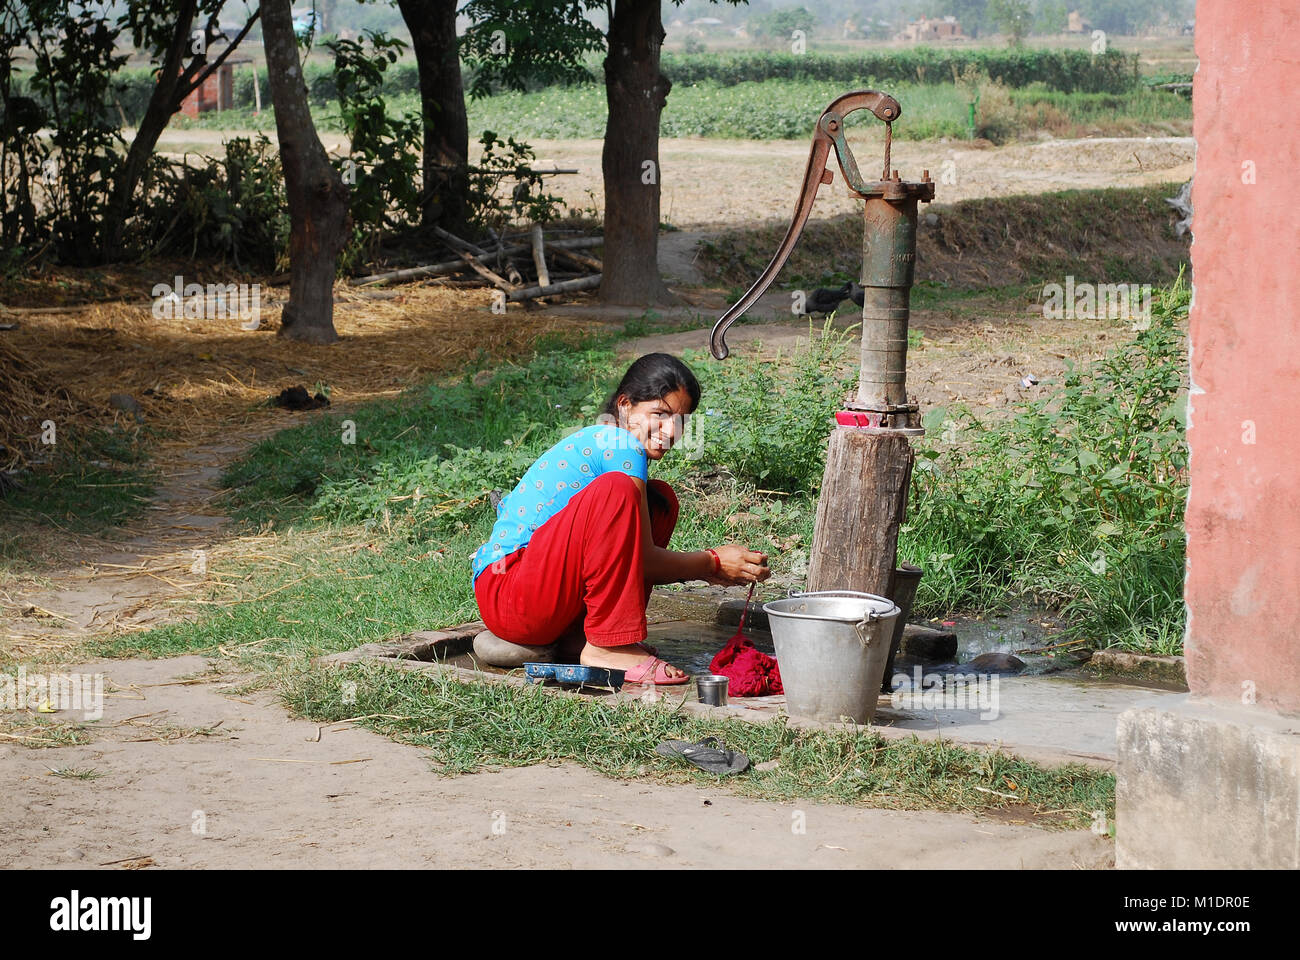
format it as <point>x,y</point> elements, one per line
<point>653,377</point>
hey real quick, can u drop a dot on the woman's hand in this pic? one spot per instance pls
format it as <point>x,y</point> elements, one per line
<point>740,565</point>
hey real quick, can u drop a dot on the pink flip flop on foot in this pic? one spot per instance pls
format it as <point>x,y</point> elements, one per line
<point>653,670</point>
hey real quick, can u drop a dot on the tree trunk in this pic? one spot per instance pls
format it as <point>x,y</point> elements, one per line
<point>862,504</point>
<point>318,200</point>
<point>162,104</point>
<point>442,98</point>
<point>636,93</point>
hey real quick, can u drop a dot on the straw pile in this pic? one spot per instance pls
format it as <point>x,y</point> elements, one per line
<point>202,381</point>
<point>30,394</point>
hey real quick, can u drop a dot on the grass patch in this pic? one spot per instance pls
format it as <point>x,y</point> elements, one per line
<point>322,597</point>
<point>76,773</point>
<point>1077,500</point>
<point>466,725</point>
<point>37,732</point>
<point>90,483</point>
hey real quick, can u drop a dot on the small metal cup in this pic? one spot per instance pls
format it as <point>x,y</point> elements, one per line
<point>712,689</point>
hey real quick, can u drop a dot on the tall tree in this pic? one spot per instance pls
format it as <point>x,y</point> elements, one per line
<point>318,200</point>
<point>164,28</point>
<point>547,40</point>
<point>432,24</point>
<point>1013,17</point>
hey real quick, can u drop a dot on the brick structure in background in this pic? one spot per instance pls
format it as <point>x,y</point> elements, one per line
<point>1216,781</point>
<point>217,92</point>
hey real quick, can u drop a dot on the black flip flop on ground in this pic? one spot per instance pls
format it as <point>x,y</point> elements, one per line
<point>706,755</point>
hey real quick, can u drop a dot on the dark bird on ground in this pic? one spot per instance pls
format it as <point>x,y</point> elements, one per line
<point>297,398</point>
<point>825,299</point>
<point>856,294</point>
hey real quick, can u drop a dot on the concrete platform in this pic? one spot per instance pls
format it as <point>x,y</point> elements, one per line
<point>1207,786</point>
<point>1066,715</point>
<point>1051,719</point>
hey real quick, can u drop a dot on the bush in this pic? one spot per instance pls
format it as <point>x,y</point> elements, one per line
<point>1076,501</point>
<point>233,209</point>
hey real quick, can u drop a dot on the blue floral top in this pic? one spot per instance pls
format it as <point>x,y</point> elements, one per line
<point>554,479</point>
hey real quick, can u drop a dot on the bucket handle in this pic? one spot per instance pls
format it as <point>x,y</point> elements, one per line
<point>869,617</point>
<point>864,634</point>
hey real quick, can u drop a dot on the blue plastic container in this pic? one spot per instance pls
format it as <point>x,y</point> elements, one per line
<point>574,673</point>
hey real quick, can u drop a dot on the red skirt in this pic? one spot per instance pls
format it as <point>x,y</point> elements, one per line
<point>582,568</point>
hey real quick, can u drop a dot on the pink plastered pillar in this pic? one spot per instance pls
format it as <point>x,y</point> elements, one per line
<point>1243,512</point>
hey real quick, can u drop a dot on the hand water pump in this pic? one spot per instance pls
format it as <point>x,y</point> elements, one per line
<point>869,460</point>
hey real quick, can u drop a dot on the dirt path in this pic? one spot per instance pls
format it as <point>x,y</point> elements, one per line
<point>193,775</point>
<point>130,582</point>
<point>715,183</point>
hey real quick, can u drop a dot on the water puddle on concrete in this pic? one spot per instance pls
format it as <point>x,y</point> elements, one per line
<point>692,645</point>
<point>1028,633</point>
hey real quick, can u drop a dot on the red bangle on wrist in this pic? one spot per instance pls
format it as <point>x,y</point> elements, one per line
<point>717,561</point>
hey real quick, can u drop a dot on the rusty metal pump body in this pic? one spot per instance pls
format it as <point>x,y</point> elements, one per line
<point>888,263</point>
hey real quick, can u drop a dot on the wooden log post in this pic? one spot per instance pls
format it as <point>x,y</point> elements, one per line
<point>568,286</point>
<point>539,258</point>
<point>863,502</point>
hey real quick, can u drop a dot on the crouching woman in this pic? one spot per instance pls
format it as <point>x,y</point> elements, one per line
<point>579,544</point>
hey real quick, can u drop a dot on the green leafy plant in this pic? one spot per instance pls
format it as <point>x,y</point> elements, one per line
<point>75,61</point>
<point>1076,501</point>
<point>765,421</point>
<point>383,169</point>
<point>493,202</point>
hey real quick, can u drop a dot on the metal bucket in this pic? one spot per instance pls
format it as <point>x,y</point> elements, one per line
<point>832,646</point>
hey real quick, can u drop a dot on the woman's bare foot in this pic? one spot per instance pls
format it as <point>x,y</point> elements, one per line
<point>621,658</point>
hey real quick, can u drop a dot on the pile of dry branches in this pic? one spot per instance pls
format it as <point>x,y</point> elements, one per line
<point>505,264</point>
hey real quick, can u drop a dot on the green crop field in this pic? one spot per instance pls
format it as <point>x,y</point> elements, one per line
<point>787,109</point>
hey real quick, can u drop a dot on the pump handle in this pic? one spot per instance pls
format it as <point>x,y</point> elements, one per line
<point>829,132</point>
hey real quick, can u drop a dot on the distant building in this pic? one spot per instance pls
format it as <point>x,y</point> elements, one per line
<point>217,92</point>
<point>1074,23</point>
<point>926,30</point>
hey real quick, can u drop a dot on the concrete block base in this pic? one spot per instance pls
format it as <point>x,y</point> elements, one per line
<point>1204,786</point>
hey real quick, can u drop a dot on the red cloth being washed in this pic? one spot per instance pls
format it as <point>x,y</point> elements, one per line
<point>752,672</point>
